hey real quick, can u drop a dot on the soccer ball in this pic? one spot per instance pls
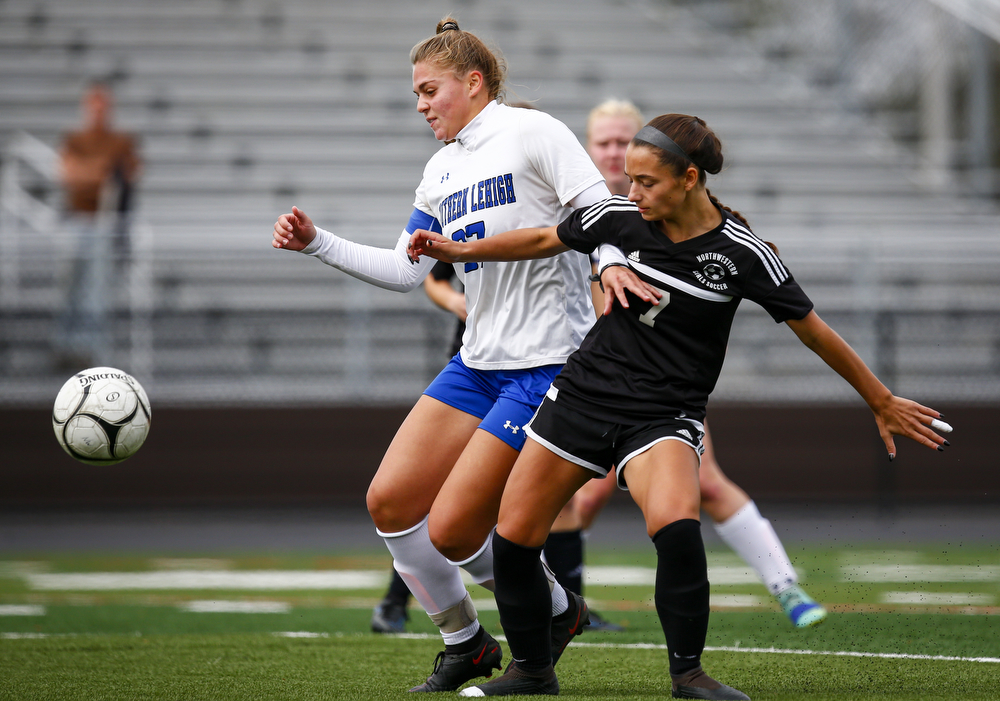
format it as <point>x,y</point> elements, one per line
<point>101,416</point>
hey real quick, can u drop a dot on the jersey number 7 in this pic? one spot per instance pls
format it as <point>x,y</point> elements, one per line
<point>649,318</point>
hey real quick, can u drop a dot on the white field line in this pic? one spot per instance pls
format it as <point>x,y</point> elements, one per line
<point>596,575</point>
<point>281,580</point>
<point>776,651</point>
<point>21,610</point>
<point>637,646</point>
<point>236,607</point>
<point>920,573</point>
<point>750,650</point>
<point>936,599</point>
<point>197,578</point>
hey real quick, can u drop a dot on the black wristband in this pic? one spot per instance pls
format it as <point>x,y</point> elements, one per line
<point>611,265</point>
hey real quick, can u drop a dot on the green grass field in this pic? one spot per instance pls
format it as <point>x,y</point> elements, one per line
<point>907,624</point>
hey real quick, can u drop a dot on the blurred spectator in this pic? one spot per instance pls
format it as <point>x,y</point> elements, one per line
<point>98,167</point>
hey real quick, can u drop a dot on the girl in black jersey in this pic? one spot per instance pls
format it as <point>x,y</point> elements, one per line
<point>635,392</point>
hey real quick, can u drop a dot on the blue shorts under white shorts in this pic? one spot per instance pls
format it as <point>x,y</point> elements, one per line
<point>504,400</point>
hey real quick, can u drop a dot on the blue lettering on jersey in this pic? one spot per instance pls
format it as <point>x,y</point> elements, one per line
<point>492,192</point>
<point>508,181</point>
<point>454,206</point>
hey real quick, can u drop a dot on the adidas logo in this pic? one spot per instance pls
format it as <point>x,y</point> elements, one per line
<point>634,256</point>
<point>514,429</point>
<point>684,432</point>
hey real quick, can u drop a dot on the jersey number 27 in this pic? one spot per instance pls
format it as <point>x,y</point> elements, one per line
<point>476,230</point>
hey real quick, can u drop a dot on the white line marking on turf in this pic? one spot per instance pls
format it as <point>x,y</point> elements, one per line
<point>236,607</point>
<point>758,650</point>
<point>920,573</point>
<point>937,599</point>
<point>21,610</point>
<point>776,651</point>
<point>737,600</point>
<point>198,579</point>
<point>596,575</point>
<point>301,634</point>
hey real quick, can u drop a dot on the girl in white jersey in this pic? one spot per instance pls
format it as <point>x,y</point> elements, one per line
<point>437,491</point>
<point>636,392</point>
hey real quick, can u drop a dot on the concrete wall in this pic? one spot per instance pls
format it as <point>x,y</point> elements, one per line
<point>328,456</point>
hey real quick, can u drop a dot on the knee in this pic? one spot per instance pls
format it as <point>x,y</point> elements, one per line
<point>389,513</point>
<point>711,489</point>
<point>451,540</point>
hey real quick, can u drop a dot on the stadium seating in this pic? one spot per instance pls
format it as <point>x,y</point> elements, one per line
<point>245,107</point>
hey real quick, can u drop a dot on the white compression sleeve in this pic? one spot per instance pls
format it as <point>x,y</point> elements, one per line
<point>753,538</point>
<point>390,269</point>
<point>436,584</point>
<point>480,565</point>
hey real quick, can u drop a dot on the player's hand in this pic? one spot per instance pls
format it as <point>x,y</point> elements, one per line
<point>427,243</point>
<point>615,279</point>
<point>903,417</point>
<point>293,231</point>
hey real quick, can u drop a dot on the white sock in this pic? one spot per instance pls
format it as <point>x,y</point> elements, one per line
<point>436,584</point>
<point>480,565</point>
<point>753,538</point>
<point>560,602</point>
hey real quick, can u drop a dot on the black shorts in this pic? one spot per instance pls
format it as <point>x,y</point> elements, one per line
<point>600,445</point>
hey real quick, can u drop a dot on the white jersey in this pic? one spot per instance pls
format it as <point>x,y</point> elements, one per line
<point>509,168</point>
<point>514,168</point>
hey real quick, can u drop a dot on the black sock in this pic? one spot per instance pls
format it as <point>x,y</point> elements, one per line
<point>398,592</point>
<point>682,592</point>
<point>564,553</point>
<point>469,645</point>
<point>525,603</point>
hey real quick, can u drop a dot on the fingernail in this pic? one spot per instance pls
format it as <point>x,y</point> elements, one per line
<point>940,448</point>
<point>892,456</point>
<point>940,415</point>
<point>947,444</point>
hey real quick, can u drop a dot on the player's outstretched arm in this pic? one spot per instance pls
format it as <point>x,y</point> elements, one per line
<point>293,231</point>
<point>894,415</point>
<point>520,244</point>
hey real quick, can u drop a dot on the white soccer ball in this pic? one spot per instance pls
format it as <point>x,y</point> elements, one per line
<point>101,416</point>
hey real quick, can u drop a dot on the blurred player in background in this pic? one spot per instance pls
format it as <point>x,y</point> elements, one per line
<point>610,127</point>
<point>635,393</point>
<point>437,491</point>
<point>98,167</point>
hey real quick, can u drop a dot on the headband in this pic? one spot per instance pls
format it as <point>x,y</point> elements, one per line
<point>449,25</point>
<point>652,135</point>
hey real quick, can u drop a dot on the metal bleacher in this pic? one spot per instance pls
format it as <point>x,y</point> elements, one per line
<point>245,107</point>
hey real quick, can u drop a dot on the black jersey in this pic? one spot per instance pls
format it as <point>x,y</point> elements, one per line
<point>642,361</point>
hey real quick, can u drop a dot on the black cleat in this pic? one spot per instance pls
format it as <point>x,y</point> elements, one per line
<point>698,685</point>
<point>601,624</point>
<point>452,669</point>
<point>568,624</point>
<point>515,682</point>
<point>389,617</point>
